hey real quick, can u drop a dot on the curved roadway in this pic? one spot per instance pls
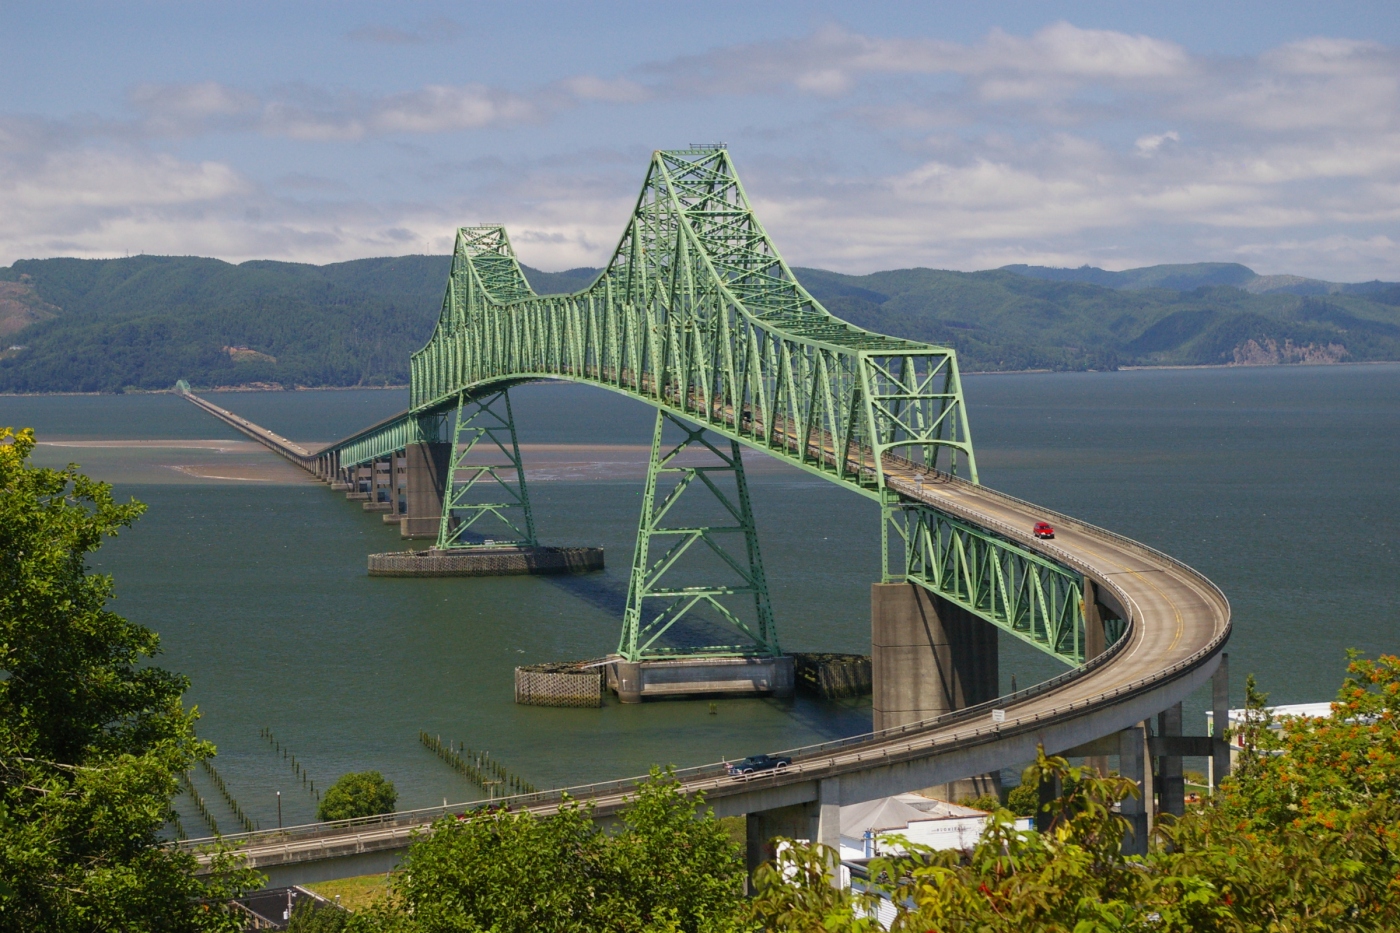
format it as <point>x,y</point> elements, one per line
<point>1178,623</point>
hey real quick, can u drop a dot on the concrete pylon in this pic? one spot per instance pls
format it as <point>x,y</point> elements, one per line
<point>929,657</point>
<point>1095,644</point>
<point>816,821</point>
<point>1220,718</point>
<point>426,483</point>
<point>1134,763</point>
<point>1171,782</point>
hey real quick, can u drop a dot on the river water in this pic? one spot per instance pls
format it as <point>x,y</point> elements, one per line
<point>1279,483</point>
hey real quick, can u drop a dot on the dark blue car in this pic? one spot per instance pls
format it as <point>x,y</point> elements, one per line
<point>755,763</point>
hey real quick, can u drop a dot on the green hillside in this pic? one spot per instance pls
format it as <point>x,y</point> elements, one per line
<point>1003,319</point>
<point>80,325</point>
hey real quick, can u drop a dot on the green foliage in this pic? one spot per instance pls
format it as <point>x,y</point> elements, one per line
<point>357,794</point>
<point>103,325</point>
<point>311,916</point>
<point>1302,837</point>
<point>1023,799</point>
<point>664,869</point>
<point>989,803</point>
<point>1000,320</point>
<point>1307,832</point>
<point>92,737</point>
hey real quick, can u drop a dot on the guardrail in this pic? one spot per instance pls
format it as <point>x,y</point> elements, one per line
<point>804,756</point>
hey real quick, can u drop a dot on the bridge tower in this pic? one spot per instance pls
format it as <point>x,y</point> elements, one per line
<point>697,576</point>
<point>485,501</point>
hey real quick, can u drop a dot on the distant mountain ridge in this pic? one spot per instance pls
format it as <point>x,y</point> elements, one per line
<point>75,325</point>
<point>1200,275</point>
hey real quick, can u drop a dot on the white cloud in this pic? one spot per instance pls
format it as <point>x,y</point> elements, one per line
<point>831,60</point>
<point>1146,145</point>
<point>440,108</point>
<point>606,90</point>
<point>1069,145</point>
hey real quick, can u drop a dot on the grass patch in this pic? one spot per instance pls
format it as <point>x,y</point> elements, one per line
<point>354,893</point>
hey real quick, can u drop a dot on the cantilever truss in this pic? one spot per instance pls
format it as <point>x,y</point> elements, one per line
<point>698,315</point>
<point>1029,596</point>
<point>737,579</point>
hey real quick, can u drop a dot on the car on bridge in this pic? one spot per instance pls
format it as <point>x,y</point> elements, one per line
<point>755,763</point>
<point>1043,530</point>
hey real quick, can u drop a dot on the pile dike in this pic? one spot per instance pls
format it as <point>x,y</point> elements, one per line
<point>486,562</point>
<point>561,683</point>
<point>833,676</point>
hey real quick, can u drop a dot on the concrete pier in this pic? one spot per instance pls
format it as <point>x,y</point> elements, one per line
<point>929,657</point>
<point>486,562</point>
<point>814,821</point>
<point>634,681</point>
<point>425,481</point>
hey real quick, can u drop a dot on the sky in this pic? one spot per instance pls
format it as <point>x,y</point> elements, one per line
<point>868,136</point>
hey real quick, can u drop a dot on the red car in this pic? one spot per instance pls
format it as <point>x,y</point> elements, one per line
<point>1043,530</point>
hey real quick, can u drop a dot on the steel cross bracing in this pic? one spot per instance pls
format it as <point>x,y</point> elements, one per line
<point>730,581</point>
<point>1028,595</point>
<point>698,315</point>
<point>485,504</point>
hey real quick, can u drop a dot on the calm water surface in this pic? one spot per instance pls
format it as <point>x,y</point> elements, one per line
<point>1278,483</point>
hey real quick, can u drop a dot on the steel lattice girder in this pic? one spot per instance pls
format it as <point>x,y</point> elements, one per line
<point>698,315</point>
<point>1033,598</point>
<point>641,632</point>
<point>381,440</point>
<point>463,506</point>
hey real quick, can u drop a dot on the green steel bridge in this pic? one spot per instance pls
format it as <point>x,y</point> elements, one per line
<point>698,316</point>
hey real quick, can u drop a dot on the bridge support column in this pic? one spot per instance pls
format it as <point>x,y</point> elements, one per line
<point>929,657</point>
<point>672,583</point>
<point>426,479</point>
<point>1170,783</point>
<point>1220,721</point>
<point>1095,644</point>
<point>817,821</point>
<point>1133,763</point>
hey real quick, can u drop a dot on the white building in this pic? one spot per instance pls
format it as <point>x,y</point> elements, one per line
<point>866,827</point>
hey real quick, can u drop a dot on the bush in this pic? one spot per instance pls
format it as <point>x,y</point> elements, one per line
<point>669,866</point>
<point>359,793</point>
<point>317,917</point>
<point>1024,799</point>
<point>1301,838</point>
<point>990,803</point>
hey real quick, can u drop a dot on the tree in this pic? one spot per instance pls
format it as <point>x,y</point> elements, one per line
<point>359,793</point>
<point>1304,836</point>
<point>92,738</point>
<point>668,868</point>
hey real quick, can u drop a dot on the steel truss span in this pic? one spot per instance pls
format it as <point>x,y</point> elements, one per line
<point>697,315</point>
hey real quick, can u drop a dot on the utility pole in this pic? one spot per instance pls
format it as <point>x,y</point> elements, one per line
<point>279,809</point>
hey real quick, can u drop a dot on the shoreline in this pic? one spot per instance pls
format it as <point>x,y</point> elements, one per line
<point>971,372</point>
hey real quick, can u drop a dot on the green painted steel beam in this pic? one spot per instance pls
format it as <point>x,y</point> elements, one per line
<point>697,314</point>
<point>1030,596</point>
<point>486,504</point>
<point>737,603</point>
<point>385,438</point>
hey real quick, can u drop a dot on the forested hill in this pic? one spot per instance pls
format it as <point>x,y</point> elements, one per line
<point>77,325</point>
